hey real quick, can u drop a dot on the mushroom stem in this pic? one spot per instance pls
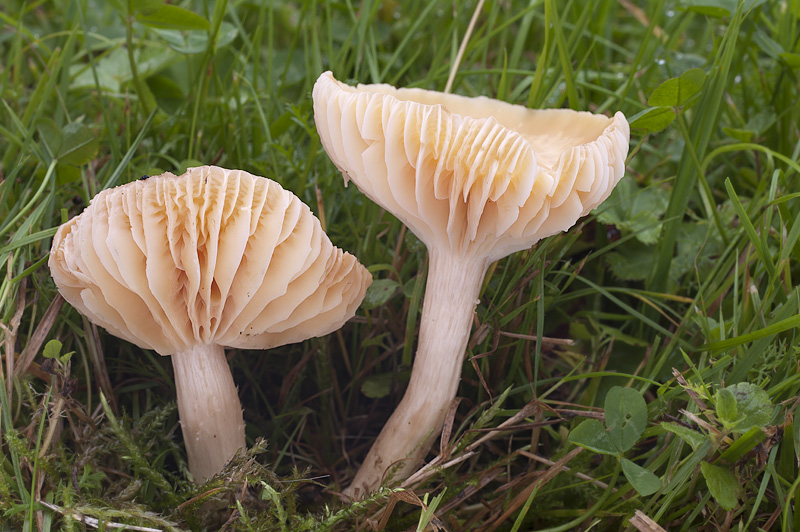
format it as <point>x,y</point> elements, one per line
<point>209,409</point>
<point>451,293</point>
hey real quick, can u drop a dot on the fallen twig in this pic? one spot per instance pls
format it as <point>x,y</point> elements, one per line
<point>93,522</point>
<point>643,523</point>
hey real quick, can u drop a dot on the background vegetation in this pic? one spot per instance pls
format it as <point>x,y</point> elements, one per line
<point>664,389</point>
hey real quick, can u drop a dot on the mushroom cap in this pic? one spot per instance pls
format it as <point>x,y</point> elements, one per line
<point>481,176</point>
<point>213,256</point>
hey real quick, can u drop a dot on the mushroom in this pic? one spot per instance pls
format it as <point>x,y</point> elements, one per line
<point>475,179</point>
<point>185,265</point>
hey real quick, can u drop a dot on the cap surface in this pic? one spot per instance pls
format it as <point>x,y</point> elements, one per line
<point>213,256</point>
<point>475,174</point>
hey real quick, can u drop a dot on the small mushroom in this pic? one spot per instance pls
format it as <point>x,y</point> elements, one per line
<point>475,179</point>
<point>188,264</point>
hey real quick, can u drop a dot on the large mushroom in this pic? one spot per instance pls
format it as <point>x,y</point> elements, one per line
<point>188,264</point>
<point>475,179</point>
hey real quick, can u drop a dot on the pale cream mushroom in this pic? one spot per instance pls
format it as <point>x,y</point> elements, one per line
<point>475,179</point>
<point>188,264</point>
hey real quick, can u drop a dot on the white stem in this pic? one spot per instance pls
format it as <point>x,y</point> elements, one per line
<point>451,294</point>
<point>209,409</point>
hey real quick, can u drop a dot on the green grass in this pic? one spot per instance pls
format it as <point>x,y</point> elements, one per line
<point>682,285</point>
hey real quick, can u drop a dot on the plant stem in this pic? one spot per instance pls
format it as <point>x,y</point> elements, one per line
<point>209,409</point>
<point>451,293</point>
<point>141,90</point>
